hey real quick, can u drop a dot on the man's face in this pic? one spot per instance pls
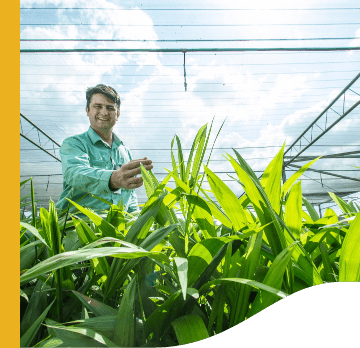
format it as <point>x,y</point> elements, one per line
<point>102,112</point>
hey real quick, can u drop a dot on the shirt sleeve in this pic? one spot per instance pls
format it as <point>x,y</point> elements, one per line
<point>77,171</point>
<point>133,203</point>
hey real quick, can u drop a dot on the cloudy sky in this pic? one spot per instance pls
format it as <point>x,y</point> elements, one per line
<point>266,97</point>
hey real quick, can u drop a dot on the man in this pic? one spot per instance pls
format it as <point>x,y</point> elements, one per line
<point>97,161</point>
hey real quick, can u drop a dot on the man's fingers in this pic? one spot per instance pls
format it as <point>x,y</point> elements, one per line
<point>137,180</point>
<point>132,171</point>
<point>136,163</point>
<point>134,186</point>
<point>135,183</point>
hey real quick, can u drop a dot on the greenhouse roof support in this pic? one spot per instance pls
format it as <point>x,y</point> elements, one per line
<point>324,132</point>
<point>351,154</point>
<point>342,93</point>
<point>37,143</point>
<point>326,173</point>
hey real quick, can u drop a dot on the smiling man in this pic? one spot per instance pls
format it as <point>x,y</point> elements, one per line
<point>97,162</point>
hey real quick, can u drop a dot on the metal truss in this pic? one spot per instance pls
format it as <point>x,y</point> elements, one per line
<point>303,142</point>
<point>325,172</point>
<point>37,142</point>
<point>351,154</point>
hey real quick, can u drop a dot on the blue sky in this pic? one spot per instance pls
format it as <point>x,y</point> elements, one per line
<point>266,97</point>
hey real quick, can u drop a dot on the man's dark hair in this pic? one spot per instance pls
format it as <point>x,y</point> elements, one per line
<point>103,89</point>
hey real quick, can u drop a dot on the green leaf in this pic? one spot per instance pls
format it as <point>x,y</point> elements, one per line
<point>199,155</point>
<point>34,231</point>
<point>350,254</point>
<point>181,159</point>
<point>156,237</point>
<point>216,211</point>
<point>86,332</point>
<point>70,339</point>
<point>96,307</point>
<point>33,204</point>
<point>23,294</point>
<point>202,215</point>
<point>302,258</point>
<point>286,187</point>
<point>182,270</point>
<point>345,207</point>
<point>271,180</point>
<point>72,257</point>
<point>202,253</point>
<point>274,232</point>
<point>328,271</point>
<point>253,283</point>
<point>24,182</point>
<point>26,339</point>
<point>274,279</point>
<point>35,307</point>
<point>87,237</point>
<point>311,210</point>
<point>107,229</point>
<point>189,329</point>
<point>314,241</point>
<point>124,334</point>
<point>28,254</point>
<point>293,210</point>
<point>118,273</point>
<point>227,199</point>
<point>249,261</point>
<point>141,225</point>
<point>162,317</point>
<point>148,182</point>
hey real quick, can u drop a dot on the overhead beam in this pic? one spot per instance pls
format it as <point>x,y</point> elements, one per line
<point>182,50</point>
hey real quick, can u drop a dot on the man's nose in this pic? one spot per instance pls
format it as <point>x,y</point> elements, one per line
<point>104,111</point>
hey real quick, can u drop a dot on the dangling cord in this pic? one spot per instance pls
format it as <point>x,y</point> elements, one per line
<point>185,84</point>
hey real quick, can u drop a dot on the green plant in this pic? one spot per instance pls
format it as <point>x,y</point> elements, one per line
<point>186,267</point>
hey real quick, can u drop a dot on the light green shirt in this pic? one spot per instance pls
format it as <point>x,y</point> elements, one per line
<point>87,164</point>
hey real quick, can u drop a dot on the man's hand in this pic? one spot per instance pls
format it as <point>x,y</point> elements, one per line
<point>125,176</point>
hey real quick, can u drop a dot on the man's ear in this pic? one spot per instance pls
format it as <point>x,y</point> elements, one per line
<point>118,113</point>
<point>87,110</point>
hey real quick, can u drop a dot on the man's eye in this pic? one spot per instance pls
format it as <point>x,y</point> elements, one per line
<point>111,108</point>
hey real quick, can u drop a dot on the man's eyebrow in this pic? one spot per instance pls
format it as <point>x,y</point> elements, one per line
<point>111,105</point>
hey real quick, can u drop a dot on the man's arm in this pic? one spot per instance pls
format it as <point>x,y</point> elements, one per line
<point>77,170</point>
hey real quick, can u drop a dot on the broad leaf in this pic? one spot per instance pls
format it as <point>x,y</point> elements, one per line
<point>182,270</point>
<point>189,329</point>
<point>350,254</point>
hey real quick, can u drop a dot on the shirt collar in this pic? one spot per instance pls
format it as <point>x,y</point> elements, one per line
<point>94,137</point>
